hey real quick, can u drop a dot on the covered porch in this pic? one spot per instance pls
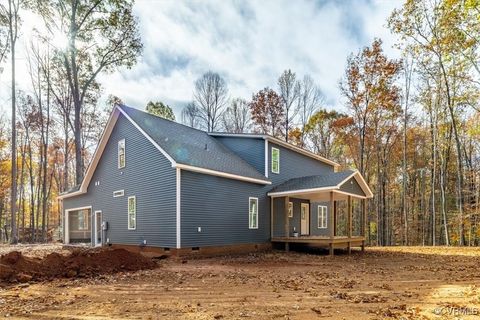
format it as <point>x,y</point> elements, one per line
<point>326,211</point>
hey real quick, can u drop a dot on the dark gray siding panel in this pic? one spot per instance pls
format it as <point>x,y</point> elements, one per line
<point>294,165</point>
<point>352,186</point>
<point>148,175</point>
<point>314,230</point>
<point>219,206</point>
<point>251,150</point>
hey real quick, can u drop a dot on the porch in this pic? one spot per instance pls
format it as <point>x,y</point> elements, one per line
<point>322,211</point>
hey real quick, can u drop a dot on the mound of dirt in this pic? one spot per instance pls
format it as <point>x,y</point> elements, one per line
<point>15,267</point>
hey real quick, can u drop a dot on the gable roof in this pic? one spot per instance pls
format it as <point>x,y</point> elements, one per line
<point>276,141</point>
<point>185,147</point>
<point>326,182</point>
<point>191,147</point>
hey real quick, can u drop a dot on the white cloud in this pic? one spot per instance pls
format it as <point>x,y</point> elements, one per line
<point>248,42</point>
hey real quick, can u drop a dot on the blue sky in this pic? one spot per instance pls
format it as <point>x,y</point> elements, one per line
<point>248,42</point>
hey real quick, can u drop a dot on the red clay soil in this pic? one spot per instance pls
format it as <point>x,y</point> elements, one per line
<point>15,267</point>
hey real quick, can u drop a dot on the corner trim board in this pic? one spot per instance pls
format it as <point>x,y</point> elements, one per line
<point>178,207</point>
<point>220,174</point>
<point>266,158</point>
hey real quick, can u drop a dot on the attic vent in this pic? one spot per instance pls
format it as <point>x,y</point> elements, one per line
<point>118,193</point>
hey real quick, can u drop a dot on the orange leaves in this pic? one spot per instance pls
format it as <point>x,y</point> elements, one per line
<point>267,112</point>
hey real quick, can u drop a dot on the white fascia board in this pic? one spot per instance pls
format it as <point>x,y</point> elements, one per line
<point>172,161</point>
<point>302,191</point>
<point>220,174</point>
<point>363,184</point>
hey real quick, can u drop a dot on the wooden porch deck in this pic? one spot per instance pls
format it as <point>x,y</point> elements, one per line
<point>337,242</point>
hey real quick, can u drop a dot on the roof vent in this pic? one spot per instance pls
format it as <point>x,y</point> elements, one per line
<point>206,146</point>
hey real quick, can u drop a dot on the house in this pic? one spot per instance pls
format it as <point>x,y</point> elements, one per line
<point>156,184</point>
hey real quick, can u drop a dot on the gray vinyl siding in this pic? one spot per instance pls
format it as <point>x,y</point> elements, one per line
<point>352,186</point>
<point>148,175</point>
<point>314,230</point>
<point>279,216</point>
<point>294,165</point>
<point>252,150</point>
<point>220,207</point>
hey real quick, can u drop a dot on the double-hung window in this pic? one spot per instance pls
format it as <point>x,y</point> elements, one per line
<point>253,213</point>
<point>132,213</point>
<point>121,154</point>
<point>275,160</point>
<point>322,217</point>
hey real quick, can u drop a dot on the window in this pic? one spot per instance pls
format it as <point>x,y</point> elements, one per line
<point>83,220</point>
<point>275,160</point>
<point>322,217</point>
<point>132,213</point>
<point>118,193</point>
<point>253,213</point>
<point>121,154</point>
<point>290,209</point>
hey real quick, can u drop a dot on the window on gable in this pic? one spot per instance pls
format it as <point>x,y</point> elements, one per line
<point>322,217</point>
<point>132,213</point>
<point>121,154</point>
<point>253,213</point>
<point>290,209</point>
<point>275,160</point>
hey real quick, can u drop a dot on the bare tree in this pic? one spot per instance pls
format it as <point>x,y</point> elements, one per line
<point>211,97</point>
<point>236,118</point>
<point>190,115</point>
<point>289,90</point>
<point>309,101</point>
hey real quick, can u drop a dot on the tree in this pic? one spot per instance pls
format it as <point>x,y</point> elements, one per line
<point>160,110</point>
<point>321,129</point>
<point>236,118</point>
<point>11,18</point>
<point>102,36</point>
<point>267,112</point>
<point>190,115</point>
<point>432,32</point>
<point>372,97</point>
<point>210,97</point>
<point>309,101</point>
<point>289,90</point>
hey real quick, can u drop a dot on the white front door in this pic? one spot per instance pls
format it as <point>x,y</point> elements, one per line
<point>98,228</point>
<point>305,219</point>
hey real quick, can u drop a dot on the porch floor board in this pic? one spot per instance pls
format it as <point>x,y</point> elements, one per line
<point>337,242</point>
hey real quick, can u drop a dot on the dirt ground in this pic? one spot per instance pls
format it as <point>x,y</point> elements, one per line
<point>383,283</point>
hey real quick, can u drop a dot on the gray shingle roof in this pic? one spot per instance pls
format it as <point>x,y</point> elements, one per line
<point>312,182</point>
<point>190,146</point>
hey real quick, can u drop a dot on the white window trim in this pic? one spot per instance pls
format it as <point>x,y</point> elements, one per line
<point>278,166</point>
<point>124,154</point>
<point>319,215</point>
<point>128,213</point>
<point>118,193</point>
<point>256,222</point>
<point>290,213</point>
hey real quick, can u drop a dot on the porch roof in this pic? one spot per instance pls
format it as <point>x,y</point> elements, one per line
<point>321,183</point>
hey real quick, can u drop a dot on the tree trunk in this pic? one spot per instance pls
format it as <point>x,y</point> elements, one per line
<point>12,12</point>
